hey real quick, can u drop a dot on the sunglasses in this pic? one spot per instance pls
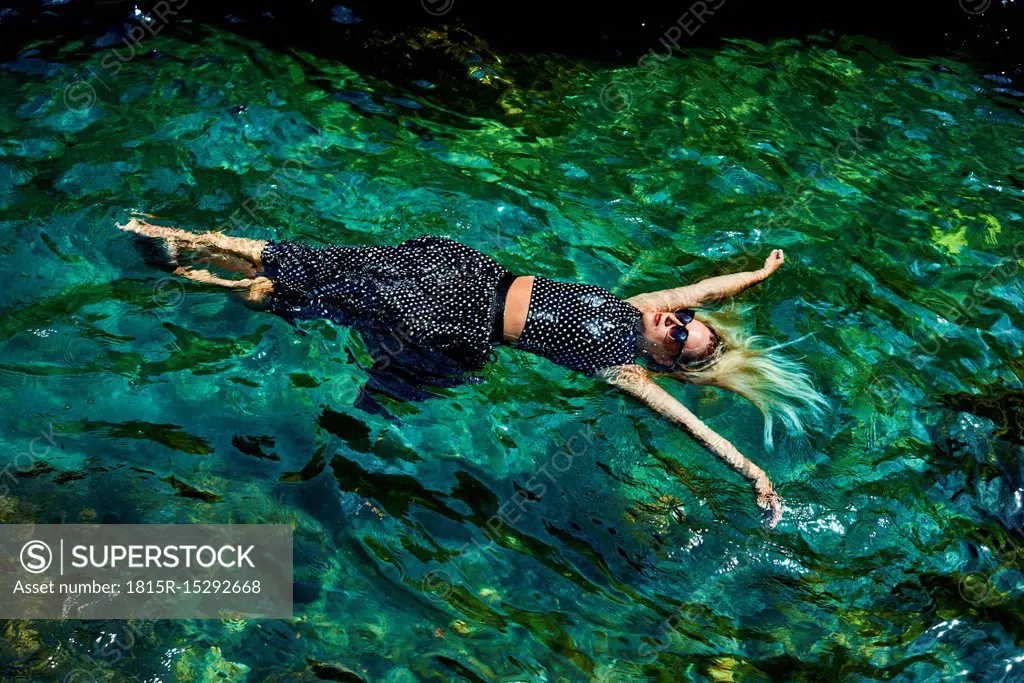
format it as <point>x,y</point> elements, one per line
<point>679,333</point>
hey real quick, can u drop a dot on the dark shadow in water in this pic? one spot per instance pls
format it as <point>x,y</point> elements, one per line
<point>1006,409</point>
<point>398,493</point>
<point>401,370</point>
<point>361,32</point>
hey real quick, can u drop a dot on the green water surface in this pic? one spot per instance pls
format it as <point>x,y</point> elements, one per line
<point>893,184</point>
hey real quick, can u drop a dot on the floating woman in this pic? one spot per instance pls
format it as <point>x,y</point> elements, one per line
<point>455,301</point>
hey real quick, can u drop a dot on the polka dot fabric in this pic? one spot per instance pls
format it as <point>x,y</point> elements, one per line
<point>431,290</point>
<point>582,327</point>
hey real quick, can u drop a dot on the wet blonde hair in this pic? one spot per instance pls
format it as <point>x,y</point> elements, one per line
<point>752,366</point>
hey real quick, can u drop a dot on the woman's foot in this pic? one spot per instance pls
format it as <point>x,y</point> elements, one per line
<point>159,255</point>
<point>149,230</point>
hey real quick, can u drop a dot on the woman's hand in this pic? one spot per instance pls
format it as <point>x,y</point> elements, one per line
<point>773,262</point>
<point>769,501</point>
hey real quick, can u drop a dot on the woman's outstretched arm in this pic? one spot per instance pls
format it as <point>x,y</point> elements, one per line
<point>707,290</point>
<point>635,381</point>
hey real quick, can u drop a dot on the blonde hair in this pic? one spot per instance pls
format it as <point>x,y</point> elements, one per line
<point>752,366</point>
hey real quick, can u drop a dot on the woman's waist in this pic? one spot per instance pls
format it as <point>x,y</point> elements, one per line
<point>513,296</point>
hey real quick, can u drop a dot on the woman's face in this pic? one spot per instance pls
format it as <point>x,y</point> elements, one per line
<point>656,328</point>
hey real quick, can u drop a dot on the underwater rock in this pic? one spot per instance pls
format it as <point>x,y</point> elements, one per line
<point>311,469</point>
<point>737,180</point>
<point>20,639</point>
<point>388,447</point>
<point>235,625</point>
<point>253,446</point>
<point>30,654</point>
<point>658,514</point>
<point>8,505</point>
<point>400,675</point>
<point>188,491</point>
<point>211,668</point>
<point>459,670</point>
<point>334,672</point>
<point>302,380</point>
<point>1005,409</point>
<point>343,15</point>
<point>305,592</point>
<point>354,431</point>
<point>85,179</point>
<point>169,435</point>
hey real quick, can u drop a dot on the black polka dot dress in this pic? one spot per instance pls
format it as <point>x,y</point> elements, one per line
<point>432,291</point>
<point>582,327</point>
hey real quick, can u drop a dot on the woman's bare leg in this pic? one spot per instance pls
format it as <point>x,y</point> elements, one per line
<point>212,257</point>
<point>237,254</point>
<point>257,289</point>
<point>242,247</point>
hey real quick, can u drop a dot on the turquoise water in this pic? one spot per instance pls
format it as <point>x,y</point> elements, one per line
<point>893,184</point>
